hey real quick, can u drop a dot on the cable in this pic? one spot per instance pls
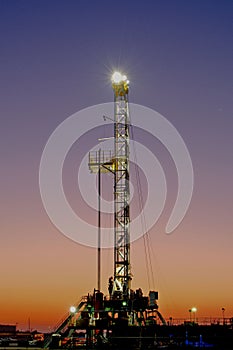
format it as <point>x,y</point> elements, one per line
<point>146,236</point>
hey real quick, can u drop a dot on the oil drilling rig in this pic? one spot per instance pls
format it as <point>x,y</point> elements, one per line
<point>123,317</point>
<point>117,163</point>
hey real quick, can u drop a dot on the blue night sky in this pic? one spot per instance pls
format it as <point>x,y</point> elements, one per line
<point>56,58</point>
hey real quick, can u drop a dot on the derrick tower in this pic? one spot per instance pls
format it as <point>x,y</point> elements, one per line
<point>117,162</point>
<point>122,275</point>
<point>123,307</point>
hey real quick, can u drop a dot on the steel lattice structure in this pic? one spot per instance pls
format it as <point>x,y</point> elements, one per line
<point>122,275</point>
<point>118,164</point>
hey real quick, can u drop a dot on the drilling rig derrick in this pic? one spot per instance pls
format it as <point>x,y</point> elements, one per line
<point>122,275</point>
<point>123,313</point>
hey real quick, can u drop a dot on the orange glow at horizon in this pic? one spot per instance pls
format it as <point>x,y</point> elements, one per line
<point>54,63</point>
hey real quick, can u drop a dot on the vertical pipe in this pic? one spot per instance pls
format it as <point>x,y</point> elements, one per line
<point>99,221</point>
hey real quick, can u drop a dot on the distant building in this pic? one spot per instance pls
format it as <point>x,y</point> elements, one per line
<point>7,330</point>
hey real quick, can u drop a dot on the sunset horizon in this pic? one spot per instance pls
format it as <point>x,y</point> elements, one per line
<point>58,61</point>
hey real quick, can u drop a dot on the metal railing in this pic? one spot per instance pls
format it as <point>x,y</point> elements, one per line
<point>202,321</point>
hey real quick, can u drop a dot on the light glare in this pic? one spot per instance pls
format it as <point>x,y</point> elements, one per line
<point>72,309</point>
<point>116,77</point>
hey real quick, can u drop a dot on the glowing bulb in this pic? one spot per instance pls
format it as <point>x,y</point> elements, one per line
<point>124,77</point>
<point>73,309</point>
<point>116,77</point>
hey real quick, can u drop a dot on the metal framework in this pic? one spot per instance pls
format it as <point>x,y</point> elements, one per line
<point>123,309</point>
<point>122,275</point>
<point>118,164</point>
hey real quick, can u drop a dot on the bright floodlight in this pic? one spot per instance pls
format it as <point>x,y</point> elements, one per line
<point>194,309</point>
<point>117,77</point>
<point>73,309</point>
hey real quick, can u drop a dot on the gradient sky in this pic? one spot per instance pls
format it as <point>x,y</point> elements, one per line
<point>56,58</point>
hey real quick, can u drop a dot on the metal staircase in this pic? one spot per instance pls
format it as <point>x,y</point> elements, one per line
<point>62,324</point>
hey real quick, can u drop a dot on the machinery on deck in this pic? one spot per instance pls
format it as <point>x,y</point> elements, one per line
<point>123,317</point>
